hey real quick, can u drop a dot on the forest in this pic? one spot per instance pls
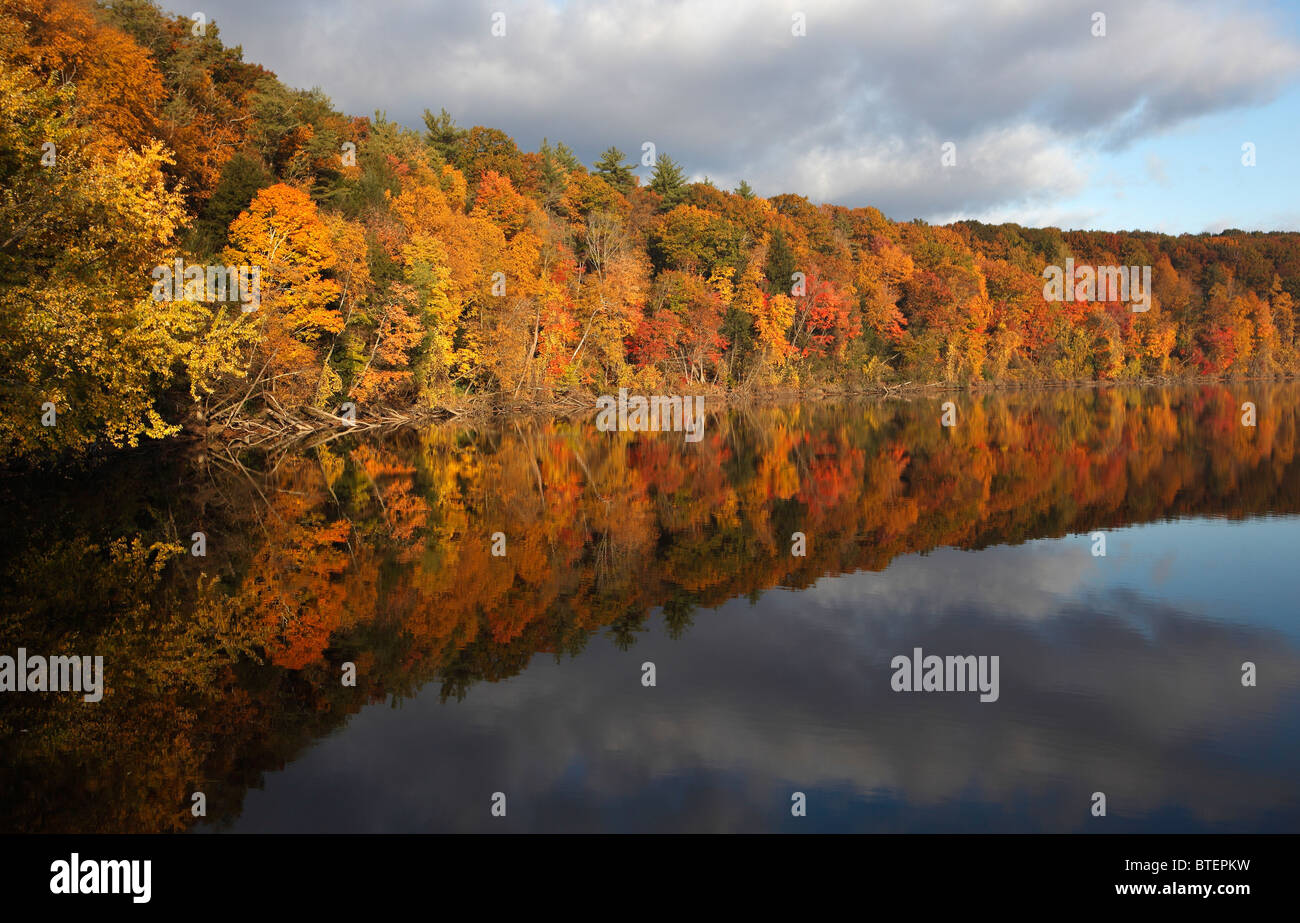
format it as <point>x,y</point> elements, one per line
<point>404,271</point>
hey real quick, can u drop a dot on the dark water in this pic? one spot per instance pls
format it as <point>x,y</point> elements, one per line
<point>523,673</point>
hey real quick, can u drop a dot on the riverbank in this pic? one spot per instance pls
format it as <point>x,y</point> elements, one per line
<point>277,427</point>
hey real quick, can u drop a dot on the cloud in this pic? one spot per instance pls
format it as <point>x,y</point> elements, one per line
<point>854,112</point>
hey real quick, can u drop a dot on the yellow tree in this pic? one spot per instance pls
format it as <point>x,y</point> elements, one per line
<point>1283,310</point>
<point>84,352</point>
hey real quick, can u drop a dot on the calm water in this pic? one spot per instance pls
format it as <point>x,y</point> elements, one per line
<point>523,673</point>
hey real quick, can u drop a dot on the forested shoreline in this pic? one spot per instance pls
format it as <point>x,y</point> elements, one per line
<point>417,273</point>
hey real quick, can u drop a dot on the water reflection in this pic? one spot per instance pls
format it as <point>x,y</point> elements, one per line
<point>522,673</point>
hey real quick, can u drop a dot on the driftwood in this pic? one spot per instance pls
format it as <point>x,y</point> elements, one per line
<point>276,428</point>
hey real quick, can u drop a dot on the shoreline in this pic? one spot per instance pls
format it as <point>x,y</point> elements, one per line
<point>258,434</point>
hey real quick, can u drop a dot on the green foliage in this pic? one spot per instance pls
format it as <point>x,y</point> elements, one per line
<point>668,182</point>
<point>611,168</point>
<point>241,178</point>
<point>780,265</point>
<point>443,134</point>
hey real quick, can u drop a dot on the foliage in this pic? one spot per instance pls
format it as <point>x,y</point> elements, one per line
<point>414,268</point>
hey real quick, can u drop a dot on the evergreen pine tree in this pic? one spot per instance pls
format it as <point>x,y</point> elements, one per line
<point>668,181</point>
<point>443,134</point>
<point>611,168</point>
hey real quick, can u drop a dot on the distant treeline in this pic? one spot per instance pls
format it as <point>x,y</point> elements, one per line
<point>407,269</point>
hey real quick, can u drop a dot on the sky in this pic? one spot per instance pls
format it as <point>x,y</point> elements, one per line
<point>1143,127</point>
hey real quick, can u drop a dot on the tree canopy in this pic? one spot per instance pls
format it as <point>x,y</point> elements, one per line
<point>414,268</point>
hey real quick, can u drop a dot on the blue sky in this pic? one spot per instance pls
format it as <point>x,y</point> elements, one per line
<point>1140,128</point>
<point>1191,178</point>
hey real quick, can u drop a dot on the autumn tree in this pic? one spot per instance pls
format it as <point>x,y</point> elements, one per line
<point>85,353</point>
<point>283,236</point>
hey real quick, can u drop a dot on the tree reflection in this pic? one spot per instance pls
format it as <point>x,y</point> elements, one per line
<point>377,551</point>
